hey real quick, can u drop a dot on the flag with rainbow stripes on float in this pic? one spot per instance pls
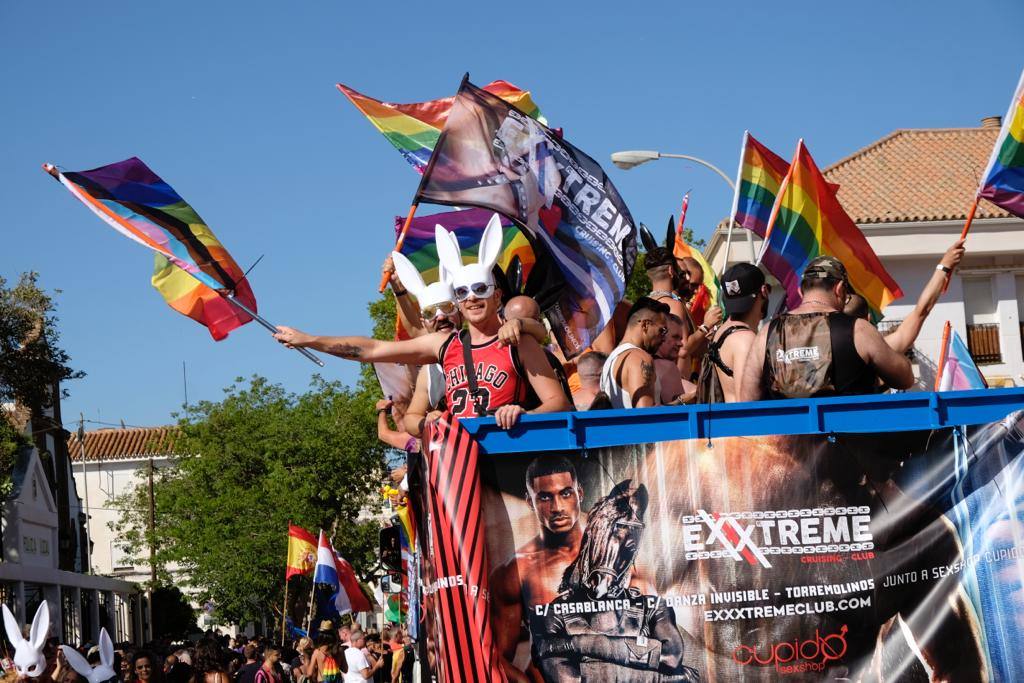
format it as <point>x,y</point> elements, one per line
<point>757,185</point>
<point>414,128</point>
<point>1003,180</point>
<point>808,221</point>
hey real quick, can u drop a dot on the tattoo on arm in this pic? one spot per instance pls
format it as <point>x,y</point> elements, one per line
<point>348,351</point>
<point>647,372</point>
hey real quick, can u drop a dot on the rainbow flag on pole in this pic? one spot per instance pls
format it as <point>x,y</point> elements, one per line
<point>808,221</point>
<point>757,184</point>
<point>1003,181</point>
<point>414,128</point>
<point>192,267</point>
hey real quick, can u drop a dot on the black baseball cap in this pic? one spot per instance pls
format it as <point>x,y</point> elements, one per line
<point>740,285</point>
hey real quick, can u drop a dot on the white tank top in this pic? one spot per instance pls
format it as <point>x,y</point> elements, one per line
<point>609,385</point>
<point>435,384</point>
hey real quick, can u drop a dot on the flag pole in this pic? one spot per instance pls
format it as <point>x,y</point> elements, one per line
<point>963,236</point>
<point>943,353</point>
<point>270,326</point>
<point>284,611</point>
<point>397,245</point>
<point>728,245</point>
<point>416,197</point>
<point>735,203</point>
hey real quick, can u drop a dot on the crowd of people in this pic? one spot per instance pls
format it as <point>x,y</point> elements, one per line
<point>343,655</point>
<point>482,351</point>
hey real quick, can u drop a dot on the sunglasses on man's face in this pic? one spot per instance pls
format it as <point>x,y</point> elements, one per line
<point>438,310</point>
<point>481,290</point>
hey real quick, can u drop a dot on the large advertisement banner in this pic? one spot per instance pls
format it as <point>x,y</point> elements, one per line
<point>895,556</point>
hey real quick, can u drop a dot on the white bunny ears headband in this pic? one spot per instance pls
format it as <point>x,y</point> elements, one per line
<point>456,281</point>
<point>103,671</point>
<point>29,660</point>
<point>28,654</point>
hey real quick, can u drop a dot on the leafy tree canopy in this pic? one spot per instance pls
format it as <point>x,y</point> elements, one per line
<point>31,362</point>
<point>247,466</point>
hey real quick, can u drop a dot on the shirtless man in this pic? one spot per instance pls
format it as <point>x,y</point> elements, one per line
<point>531,577</point>
<point>745,295</point>
<point>673,387</point>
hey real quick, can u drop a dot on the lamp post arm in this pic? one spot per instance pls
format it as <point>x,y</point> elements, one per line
<point>706,164</point>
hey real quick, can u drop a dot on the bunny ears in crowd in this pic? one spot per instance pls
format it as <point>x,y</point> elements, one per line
<point>29,660</point>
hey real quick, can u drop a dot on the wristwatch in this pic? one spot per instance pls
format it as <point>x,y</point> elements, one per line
<point>944,269</point>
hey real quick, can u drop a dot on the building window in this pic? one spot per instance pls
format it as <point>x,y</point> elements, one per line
<point>44,546</point>
<point>29,544</point>
<point>982,321</point>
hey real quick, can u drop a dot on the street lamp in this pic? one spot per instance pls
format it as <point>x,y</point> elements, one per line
<point>632,158</point>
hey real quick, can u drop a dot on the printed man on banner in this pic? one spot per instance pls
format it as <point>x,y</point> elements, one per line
<point>636,640</point>
<point>531,577</point>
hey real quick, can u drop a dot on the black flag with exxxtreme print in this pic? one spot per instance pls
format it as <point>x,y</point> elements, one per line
<point>494,156</point>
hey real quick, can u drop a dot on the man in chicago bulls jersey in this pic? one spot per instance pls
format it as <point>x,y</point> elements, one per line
<point>497,379</point>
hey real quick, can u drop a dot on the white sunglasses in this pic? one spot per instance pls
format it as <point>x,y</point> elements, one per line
<point>481,290</point>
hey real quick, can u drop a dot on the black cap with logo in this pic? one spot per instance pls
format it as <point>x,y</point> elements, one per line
<point>741,283</point>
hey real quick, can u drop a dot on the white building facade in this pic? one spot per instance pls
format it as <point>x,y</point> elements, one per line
<point>910,193</point>
<point>46,546</point>
<point>110,464</point>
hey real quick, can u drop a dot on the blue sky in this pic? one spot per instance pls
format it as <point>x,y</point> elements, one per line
<point>233,103</point>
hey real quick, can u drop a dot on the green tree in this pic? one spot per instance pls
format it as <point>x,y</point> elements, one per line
<point>249,465</point>
<point>32,364</point>
<point>31,361</point>
<point>173,616</point>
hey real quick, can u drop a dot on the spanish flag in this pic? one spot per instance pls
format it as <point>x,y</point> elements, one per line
<point>301,552</point>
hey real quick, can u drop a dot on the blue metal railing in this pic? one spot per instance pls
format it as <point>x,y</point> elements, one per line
<point>849,414</point>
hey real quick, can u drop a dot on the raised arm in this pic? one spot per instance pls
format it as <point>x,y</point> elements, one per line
<point>749,384</point>
<point>408,312</point>
<point>419,350</point>
<point>893,367</point>
<point>903,337</point>
<point>696,343</point>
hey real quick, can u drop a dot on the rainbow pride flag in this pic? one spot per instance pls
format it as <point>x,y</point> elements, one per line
<point>192,298</point>
<point>136,202</point>
<point>808,222</point>
<point>414,128</point>
<point>1003,183</point>
<point>757,184</point>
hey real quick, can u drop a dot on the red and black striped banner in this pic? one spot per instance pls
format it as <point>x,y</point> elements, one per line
<point>456,567</point>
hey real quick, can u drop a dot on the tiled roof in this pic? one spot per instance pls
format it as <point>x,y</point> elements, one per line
<point>122,444</point>
<point>916,175</point>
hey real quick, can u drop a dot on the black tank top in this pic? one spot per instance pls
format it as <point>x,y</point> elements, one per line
<point>848,373</point>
